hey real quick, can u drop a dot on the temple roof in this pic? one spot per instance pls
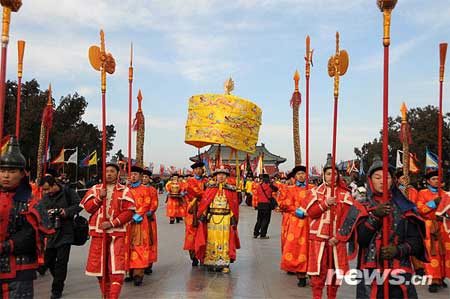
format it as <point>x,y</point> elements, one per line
<point>268,157</point>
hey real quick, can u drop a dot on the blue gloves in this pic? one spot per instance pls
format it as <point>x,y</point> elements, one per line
<point>183,194</point>
<point>166,193</point>
<point>137,218</point>
<point>149,214</point>
<point>431,204</point>
<point>300,213</point>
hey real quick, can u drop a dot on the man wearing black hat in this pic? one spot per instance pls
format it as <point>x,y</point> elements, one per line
<point>428,202</point>
<point>195,189</point>
<point>120,209</point>
<point>62,204</point>
<point>22,222</point>
<point>217,238</point>
<point>294,257</point>
<point>363,227</point>
<point>153,231</point>
<point>140,247</point>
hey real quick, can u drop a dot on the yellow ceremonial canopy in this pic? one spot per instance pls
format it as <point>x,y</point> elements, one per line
<point>223,119</point>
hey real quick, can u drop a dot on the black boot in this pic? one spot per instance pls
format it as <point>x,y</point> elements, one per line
<point>172,221</point>
<point>138,281</point>
<point>301,282</point>
<point>444,285</point>
<point>148,270</point>
<point>194,262</point>
<point>433,288</point>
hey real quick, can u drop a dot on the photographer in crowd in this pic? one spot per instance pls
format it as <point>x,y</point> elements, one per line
<point>62,205</point>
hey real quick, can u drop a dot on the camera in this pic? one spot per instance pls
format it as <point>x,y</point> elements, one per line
<point>54,216</point>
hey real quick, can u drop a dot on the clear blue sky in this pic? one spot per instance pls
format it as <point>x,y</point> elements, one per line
<point>187,47</point>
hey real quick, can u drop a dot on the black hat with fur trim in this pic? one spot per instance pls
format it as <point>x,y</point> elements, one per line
<point>147,172</point>
<point>137,169</point>
<point>431,173</point>
<point>197,164</point>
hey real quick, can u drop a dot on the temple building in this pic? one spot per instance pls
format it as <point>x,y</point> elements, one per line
<point>270,161</point>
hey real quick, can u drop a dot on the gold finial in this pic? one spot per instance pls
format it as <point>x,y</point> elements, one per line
<point>443,56</point>
<point>49,100</point>
<point>296,79</point>
<point>338,65</point>
<point>21,51</point>
<point>130,69</point>
<point>386,6</point>
<point>139,97</point>
<point>229,86</point>
<point>102,61</point>
<point>308,57</point>
<point>404,110</point>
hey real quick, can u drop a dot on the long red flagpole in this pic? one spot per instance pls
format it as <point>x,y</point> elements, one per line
<point>386,6</point>
<point>8,7</point>
<point>130,109</point>
<point>338,65</point>
<point>443,55</point>
<point>105,63</point>
<point>308,59</point>
<point>21,51</point>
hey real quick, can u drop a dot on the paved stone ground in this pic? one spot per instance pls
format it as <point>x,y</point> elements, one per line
<point>255,274</point>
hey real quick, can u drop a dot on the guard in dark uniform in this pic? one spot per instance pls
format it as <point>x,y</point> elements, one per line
<point>23,222</point>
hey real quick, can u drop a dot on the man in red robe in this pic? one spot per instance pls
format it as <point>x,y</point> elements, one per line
<point>428,202</point>
<point>176,206</point>
<point>151,216</point>
<point>326,213</point>
<point>295,250</point>
<point>114,221</point>
<point>217,238</point>
<point>443,211</point>
<point>195,189</point>
<point>139,230</point>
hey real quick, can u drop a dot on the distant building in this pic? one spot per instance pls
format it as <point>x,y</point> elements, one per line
<point>270,161</point>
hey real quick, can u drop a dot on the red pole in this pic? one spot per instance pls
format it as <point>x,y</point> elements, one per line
<point>443,54</point>
<point>130,109</point>
<point>2,87</point>
<point>104,216</point>
<point>19,93</point>
<point>333,182</point>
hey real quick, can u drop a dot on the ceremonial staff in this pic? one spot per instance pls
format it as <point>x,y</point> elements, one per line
<point>130,109</point>
<point>386,6</point>
<point>21,51</point>
<point>443,55</point>
<point>405,139</point>
<point>8,6</point>
<point>105,63</point>
<point>46,125</point>
<point>296,100</point>
<point>308,60</point>
<point>139,127</point>
<point>337,66</point>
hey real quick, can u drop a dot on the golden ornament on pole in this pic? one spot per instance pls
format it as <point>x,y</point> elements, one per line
<point>387,6</point>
